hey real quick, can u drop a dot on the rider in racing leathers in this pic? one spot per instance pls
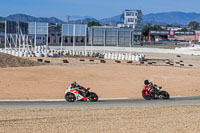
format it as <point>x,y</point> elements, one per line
<point>82,91</point>
<point>149,86</point>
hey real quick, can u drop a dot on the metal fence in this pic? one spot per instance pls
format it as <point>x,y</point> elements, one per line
<point>74,30</point>
<point>110,36</point>
<point>37,28</point>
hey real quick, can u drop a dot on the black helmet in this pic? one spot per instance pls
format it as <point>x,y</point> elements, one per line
<point>74,83</point>
<point>146,82</point>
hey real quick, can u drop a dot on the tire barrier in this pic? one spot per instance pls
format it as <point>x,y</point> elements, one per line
<point>47,61</point>
<point>38,51</point>
<point>102,61</point>
<point>43,51</point>
<point>141,62</point>
<point>117,61</point>
<point>167,61</point>
<point>65,61</point>
<point>126,56</point>
<point>40,60</point>
<point>129,62</point>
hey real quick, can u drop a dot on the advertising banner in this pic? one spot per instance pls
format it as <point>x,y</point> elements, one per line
<point>159,33</point>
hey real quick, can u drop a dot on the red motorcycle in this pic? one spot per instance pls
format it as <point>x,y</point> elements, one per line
<point>152,91</point>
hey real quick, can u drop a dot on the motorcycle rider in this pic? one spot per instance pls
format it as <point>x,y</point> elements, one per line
<point>82,91</point>
<point>150,86</point>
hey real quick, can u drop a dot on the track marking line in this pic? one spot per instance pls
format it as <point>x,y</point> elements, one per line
<point>52,100</point>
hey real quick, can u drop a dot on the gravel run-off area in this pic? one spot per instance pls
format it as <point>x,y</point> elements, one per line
<point>184,119</point>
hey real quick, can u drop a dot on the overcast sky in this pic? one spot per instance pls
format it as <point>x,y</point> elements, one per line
<point>94,8</point>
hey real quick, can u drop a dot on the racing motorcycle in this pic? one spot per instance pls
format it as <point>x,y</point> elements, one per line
<point>154,92</point>
<point>72,95</point>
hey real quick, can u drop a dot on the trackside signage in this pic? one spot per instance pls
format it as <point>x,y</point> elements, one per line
<point>159,33</point>
<point>171,33</point>
<point>184,32</point>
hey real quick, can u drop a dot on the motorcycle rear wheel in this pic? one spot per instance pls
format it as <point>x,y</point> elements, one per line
<point>70,97</point>
<point>93,97</point>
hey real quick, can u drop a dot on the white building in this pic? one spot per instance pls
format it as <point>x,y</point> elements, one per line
<point>132,18</point>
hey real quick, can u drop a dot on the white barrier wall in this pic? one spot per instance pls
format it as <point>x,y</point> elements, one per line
<point>120,53</point>
<point>189,51</point>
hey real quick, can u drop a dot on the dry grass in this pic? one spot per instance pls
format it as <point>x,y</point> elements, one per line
<point>117,120</point>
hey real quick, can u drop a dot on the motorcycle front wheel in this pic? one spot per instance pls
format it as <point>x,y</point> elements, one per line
<point>70,97</point>
<point>165,95</point>
<point>146,97</point>
<point>93,97</point>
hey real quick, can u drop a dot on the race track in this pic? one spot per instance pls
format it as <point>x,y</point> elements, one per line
<point>176,101</point>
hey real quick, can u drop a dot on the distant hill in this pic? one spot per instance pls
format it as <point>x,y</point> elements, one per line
<point>175,18</point>
<point>111,21</point>
<point>2,19</point>
<point>73,18</point>
<point>28,18</point>
<point>83,21</point>
<point>180,18</point>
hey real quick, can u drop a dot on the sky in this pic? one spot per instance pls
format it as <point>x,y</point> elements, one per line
<point>95,8</point>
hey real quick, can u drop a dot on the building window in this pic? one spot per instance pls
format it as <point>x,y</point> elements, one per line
<point>82,39</point>
<point>128,14</point>
<point>66,40</point>
<point>132,14</point>
<point>131,20</point>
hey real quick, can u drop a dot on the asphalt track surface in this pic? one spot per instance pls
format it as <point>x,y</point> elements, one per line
<point>176,101</point>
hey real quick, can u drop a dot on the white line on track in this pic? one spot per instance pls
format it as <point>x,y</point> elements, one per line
<point>54,100</point>
<point>51,100</point>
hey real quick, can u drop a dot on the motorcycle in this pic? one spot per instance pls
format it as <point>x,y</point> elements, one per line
<point>72,95</point>
<point>154,92</point>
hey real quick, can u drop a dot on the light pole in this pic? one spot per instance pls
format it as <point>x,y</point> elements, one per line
<point>5,34</point>
<point>35,42</point>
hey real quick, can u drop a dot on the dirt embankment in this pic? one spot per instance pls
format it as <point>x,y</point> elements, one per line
<point>7,60</point>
